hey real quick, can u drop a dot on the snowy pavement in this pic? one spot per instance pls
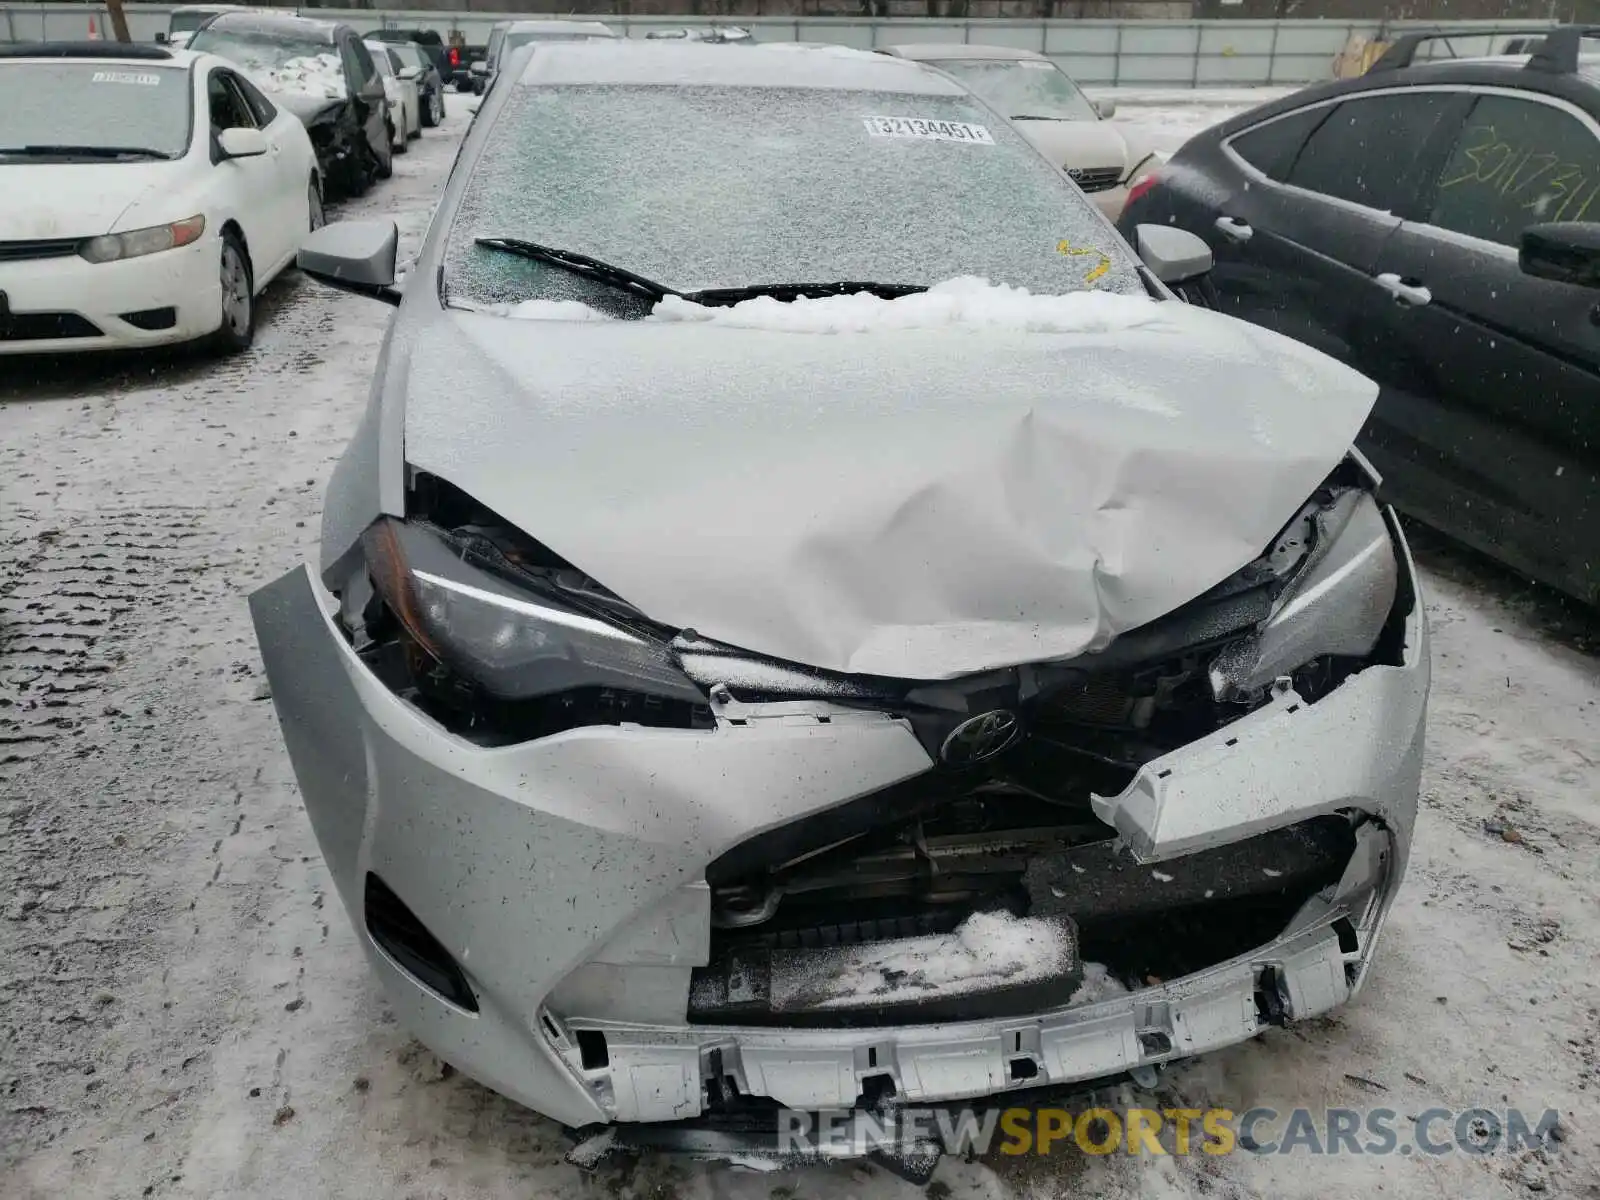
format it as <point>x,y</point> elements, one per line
<point>185,1009</point>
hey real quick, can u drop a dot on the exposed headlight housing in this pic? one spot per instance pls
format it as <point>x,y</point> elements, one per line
<point>512,641</point>
<point>136,243</point>
<point>1335,604</point>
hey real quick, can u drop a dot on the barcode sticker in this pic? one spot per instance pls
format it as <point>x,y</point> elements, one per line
<point>141,78</point>
<point>922,127</point>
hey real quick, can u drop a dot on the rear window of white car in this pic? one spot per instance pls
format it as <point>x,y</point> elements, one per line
<point>713,187</point>
<point>102,105</point>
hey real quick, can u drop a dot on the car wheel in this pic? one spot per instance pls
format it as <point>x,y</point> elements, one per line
<point>433,113</point>
<point>238,328</point>
<point>385,161</point>
<point>314,205</point>
<point>400,144</point>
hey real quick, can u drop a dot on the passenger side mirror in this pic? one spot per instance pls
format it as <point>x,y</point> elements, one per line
<point>1564,251</point>
<point>242,143</point>
<point>1106,108</point>
<point>354,256</point>
<point>411,72</point>
<point>479,68</point>
<point>161,39</point>
<point>1173,255</point>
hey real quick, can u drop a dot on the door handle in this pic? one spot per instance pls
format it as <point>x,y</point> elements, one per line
<point>1408,292</point>
<point>1238,232</point>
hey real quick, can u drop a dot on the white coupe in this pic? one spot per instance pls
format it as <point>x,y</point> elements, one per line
<point>147,196</point>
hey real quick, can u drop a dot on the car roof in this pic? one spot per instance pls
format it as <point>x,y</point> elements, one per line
<point>769,65</point>
<point>123,52</point>
<point>587,28</point>
<point>257,21</point>
<point>937,51</point>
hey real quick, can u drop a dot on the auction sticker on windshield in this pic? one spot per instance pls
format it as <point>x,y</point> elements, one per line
<point>920,127</point>
<point>126,77</point>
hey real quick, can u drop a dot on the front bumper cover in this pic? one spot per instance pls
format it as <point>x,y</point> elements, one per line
<point>566,877</point>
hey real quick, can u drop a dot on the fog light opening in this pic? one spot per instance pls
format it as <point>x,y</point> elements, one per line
<point>400,934</point>
<point>592,1049</point>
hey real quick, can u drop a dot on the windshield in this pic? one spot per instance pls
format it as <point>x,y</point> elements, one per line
<point>279,62</point>
<point>710,187</point>
<point>1023,87</point>
<point>187,22</point>
<point>106,105</point>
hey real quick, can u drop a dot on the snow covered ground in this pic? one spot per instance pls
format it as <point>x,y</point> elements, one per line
<point>183,1008</point>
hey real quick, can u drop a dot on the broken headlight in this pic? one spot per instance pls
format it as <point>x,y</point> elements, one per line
<point>510,640</point>
<point>1335,603</point>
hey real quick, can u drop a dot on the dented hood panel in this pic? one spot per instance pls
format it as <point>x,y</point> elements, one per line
<point>916,503</point>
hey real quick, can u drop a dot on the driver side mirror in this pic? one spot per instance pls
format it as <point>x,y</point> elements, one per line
<point>479,68</point>
<point>1105,108</point>
<point>354,256</point>
<point>240,142</point>
<point>1563,251</point>
<point>161,38</point>
<point>411,72</point>
<point>1173,255</point>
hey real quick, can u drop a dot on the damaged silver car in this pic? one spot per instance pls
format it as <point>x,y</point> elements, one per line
<point>763,656</point>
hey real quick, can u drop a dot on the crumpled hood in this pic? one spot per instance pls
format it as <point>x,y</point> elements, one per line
<point>59,200</point>
<point>1080,143</point>
<point>921,503</point>
<point>302,104</point>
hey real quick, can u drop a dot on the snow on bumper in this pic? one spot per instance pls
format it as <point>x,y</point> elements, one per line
<point>68,291</point>
<point>565,876</point>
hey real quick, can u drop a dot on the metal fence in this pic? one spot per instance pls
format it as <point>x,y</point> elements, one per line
<point>1104,53</point>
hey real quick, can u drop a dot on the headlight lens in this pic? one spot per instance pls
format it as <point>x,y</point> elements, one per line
<point>511,641</point>
<point>139,242</point>
<point>1336,604</point>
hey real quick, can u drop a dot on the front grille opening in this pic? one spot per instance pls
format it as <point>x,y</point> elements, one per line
<point>46,326</point>
<point>592,1049</point>
<point>1023,1069</point>
<point>405,939</point>
<point>1145,924</point>
<point>152,319</point>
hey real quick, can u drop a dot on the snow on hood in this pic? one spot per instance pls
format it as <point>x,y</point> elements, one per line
<point>320,76</point>
<point>920,502</point>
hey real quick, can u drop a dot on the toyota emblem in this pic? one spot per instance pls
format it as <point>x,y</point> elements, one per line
<point>980,738</point>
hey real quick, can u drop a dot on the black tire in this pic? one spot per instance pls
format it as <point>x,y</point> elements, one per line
<point>385,161</point>
<point>238,328</point>
<point>433,110</point>
<point>319,217</point>
<point>403,146</point>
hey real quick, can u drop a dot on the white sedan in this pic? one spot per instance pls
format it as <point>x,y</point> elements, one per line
<point>147,196</point>
<point>401,87</point>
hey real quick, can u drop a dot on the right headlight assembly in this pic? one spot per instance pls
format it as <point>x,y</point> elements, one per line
<point>513,641</point>
<point>1335,604</point>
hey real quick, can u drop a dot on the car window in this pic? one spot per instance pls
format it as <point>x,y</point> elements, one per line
<point>228,109</point>
<point>760,185</point>
<point>1271,148</point>
<point>1366,148</point>
<point>264,110</point>
<point>380,61</point>
<point>1023,89</point>
<point>140,106</point>
<point>1517,163</point>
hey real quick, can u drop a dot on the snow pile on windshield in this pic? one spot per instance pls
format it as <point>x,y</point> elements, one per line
<point>988,950</point>
<point>320,75</point>
<point>969,301</point>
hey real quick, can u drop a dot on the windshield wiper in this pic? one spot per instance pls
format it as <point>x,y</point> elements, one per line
<point>620,277</point>
<point>581,264</point>
<point>786,292</point>
<point>84,151</point>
